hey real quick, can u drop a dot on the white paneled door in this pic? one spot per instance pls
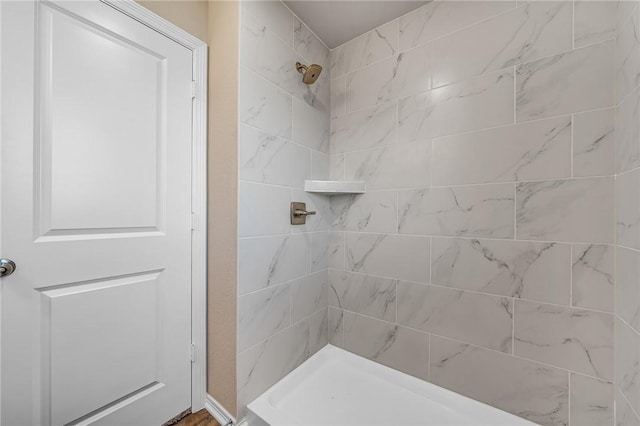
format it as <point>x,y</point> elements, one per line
<point>96,214</point>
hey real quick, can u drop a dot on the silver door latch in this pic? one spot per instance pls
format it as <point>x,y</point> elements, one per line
<point>299,213</point>
<point>7,266</point>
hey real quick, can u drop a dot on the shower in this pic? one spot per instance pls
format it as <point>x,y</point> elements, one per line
<point>309,73</point>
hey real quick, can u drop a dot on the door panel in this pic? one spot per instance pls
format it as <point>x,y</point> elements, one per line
<point>96,213</point>
<point>103,315</point>
<point>96,175</point>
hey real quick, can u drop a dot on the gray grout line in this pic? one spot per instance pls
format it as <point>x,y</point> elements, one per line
<point>464,185</point>
<point>490,295</point>
<point>482,238</point>
<point>477,346</point>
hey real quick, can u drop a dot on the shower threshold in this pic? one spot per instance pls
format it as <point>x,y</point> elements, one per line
<point>337,388</point>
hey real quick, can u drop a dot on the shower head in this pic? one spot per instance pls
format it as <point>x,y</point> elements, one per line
<point>309,73</point>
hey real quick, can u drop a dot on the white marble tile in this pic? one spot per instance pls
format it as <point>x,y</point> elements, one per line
<point>264,364</point>
<point>391,167</point>
<point>579,80</point>
<point>336,327</point>
<point>526,151</point>
<point>593,276</point>
<point>401,75</point>
<point>318,331</point>
<point>273,15</point>
<point>579,210</point>
<point>389,344</point>
<point>625,416</point>
<point>363,294</point>
<point>267,55</point>
<point>371,212</point>
<point>310,126</point>
<point>367,128</point>
<point>318,203</point>
<point>262,209</point>
<point>263,105</point>
<point>625,11</point>
<point>336,250</point>
<point>591,401</point>
<point>336,167</point>
<point>267,261</point>
<point>319,251</point>
<point>533,271</point>
<point>457,108</point>
<point>320,166</point>
<point>309,46</point>
<point>366,49</point>
<point>308,295</point>
<point>628,209</point>
<point>594,21</point>
<point>527,389</point>
<point>628,286</point>
<point>438,18</point>
<point>318,94</point>
<point>266,158</point>
<point>594,143</point>
<point>628,363</point>
<point>392,256</point>
<point>628,55</point>
<point>472,211</point>
<point>628,132</point>
<point>533,31</point>
<point>575,339</point>
<point>480,319</point>
<point>338,96</point>
<point>262,314</point>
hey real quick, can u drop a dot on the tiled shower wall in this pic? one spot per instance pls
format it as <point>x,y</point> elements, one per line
<point>283,140</point>
<point>628,216</point>
<point>481,257</point>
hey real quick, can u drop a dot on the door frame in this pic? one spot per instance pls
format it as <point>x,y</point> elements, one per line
<point>198,187</point>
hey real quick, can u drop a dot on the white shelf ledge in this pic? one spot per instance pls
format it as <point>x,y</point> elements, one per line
<point>334,187</point>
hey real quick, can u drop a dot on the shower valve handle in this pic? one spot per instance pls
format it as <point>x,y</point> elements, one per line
<point>299,213</point>
<point>303,213</point>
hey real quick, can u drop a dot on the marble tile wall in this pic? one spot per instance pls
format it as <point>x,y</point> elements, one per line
<point>284,135</point>
<point>627,217</point>
<point>482,257</point>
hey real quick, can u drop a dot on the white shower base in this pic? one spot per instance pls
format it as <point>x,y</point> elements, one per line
<point>336,387</point>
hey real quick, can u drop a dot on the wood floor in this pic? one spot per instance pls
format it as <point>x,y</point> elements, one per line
<point>201,418</point>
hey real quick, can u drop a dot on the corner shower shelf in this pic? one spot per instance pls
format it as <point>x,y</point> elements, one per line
<point>334,187</point>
